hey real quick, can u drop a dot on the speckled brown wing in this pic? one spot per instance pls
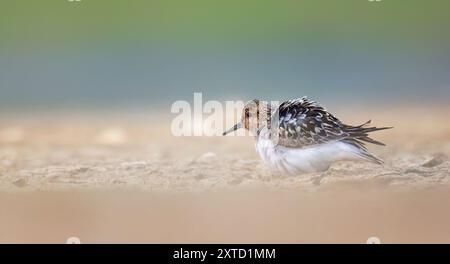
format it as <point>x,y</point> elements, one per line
<point>304,123</point>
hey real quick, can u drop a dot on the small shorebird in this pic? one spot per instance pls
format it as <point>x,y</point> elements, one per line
<point>301,136</point>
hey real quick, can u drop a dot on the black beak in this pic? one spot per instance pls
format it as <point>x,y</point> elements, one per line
<point>234,128</point>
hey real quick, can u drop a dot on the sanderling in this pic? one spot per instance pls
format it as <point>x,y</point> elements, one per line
<point>301,136</point>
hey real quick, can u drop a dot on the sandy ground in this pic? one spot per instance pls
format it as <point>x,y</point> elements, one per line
<point>110,177</point>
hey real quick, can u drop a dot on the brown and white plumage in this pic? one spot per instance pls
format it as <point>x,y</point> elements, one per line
<point>304,123</point>
<point>301,136</point>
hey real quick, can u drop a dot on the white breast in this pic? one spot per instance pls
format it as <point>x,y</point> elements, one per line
<point>297,160</point>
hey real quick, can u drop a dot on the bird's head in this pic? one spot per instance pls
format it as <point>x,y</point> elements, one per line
<point>255,116</point>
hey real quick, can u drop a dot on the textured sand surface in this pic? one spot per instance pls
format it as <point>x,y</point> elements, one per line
<point>138,151</point>
<point>123,178</point>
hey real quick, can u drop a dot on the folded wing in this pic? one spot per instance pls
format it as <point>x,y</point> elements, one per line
<point>304,123</point>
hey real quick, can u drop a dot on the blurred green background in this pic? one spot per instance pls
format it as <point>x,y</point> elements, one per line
<point>124,53</point>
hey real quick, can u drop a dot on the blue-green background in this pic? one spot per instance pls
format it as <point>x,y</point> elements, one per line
<point>120,53</point>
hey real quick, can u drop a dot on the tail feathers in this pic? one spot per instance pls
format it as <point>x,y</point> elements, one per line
<point>361,151</point>
<point>361,133</point>
<point>370,140</point>
<point>369,157</point>
<point>358,135</point>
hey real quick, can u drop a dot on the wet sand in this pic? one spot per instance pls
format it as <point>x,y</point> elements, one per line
<point>111,177</point>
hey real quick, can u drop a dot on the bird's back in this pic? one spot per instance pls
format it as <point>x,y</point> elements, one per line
<point>309,138</point>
